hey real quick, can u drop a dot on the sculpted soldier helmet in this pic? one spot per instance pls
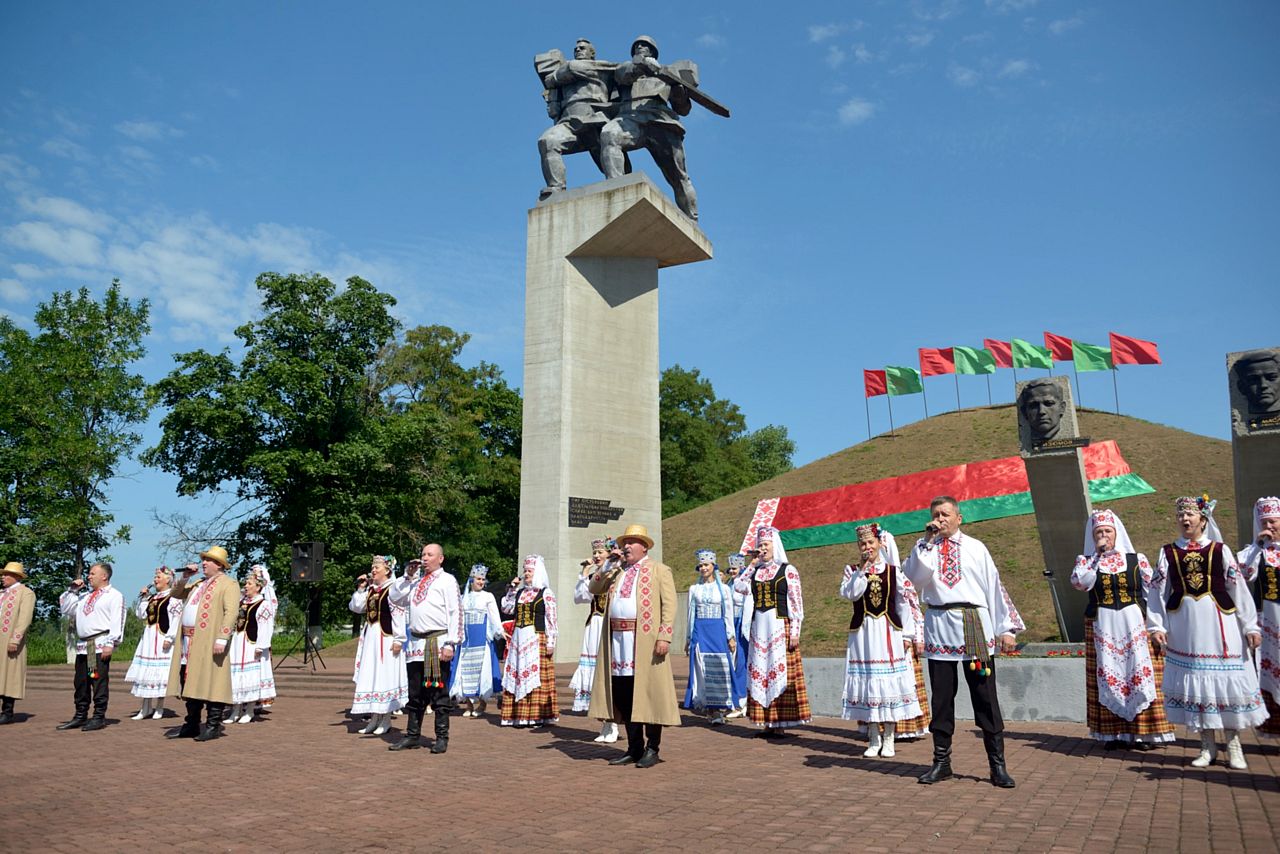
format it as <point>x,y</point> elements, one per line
<point>653,45</point>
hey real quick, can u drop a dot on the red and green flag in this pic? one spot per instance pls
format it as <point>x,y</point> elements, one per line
<point>1133,351</point>
<point>935,361</point>
<point>972,360</point>
<point>903,380</point>
<point>874,383</point>
<point>1028,355</point>
<point>986,490</point>
<point>1059,347</point>
<point>1090,357</point>
<point>1001,350</point>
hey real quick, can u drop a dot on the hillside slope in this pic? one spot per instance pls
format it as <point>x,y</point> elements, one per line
<point>1173,461</point>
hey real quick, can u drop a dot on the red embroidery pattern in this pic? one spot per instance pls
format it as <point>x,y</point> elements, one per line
<point>89,605</point>
<point>646,600</point>
<point>424,587</point>
<point>628,581</point>
<point>949,574</point>
<point>9,598</point>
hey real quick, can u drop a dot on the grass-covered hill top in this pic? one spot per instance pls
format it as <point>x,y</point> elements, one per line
<point>1173,461</point>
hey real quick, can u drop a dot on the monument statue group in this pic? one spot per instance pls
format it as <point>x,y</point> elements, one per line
<point>611,109</point>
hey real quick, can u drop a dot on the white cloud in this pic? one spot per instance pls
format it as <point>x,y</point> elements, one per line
<point>1065,25</point>
<point>1004,7</point>
<point>710,40</point>
<point>205,161</point>
<point>835,56</point>
<point>148,131</point>
<point>962,76</point>
<point>12,290</point>
<point>920,40</point>
<point>977,38</point>
<point>15,172</point>
<point>940,11</point>
<point>1015,68</point>
<point>30,271</point>
<point>137,152</point>
<point>856,111</point>
<point>67,246</point>
<point>60,146</point>
<point>862,55</point>
<point>904,68</point>
<point>67,212</point>
<point>823,32</point>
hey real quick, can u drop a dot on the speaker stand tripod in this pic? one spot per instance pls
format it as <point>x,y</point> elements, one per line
<point>310,652</point>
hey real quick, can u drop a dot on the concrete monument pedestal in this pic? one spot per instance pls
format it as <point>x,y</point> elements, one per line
<point>1254,386</point>
<point>590,450</point>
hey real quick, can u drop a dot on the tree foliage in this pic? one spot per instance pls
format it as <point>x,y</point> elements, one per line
<point>706,449</point>
<point>70,406</point>
<point>330,430</point>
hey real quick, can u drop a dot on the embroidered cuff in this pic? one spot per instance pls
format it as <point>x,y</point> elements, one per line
<point>666,632</point>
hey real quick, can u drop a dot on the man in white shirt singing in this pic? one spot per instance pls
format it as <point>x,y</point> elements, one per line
<point>98,615</point>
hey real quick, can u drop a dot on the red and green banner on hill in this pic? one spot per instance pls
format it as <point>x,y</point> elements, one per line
<point>986,490</point>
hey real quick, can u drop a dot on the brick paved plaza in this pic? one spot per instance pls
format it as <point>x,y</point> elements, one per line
<point>303,780</point>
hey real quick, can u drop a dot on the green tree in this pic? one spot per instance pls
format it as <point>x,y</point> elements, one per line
<point>706,449</point>
<point>69,410</point>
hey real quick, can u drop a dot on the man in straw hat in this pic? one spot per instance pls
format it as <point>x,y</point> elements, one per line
<point>17,604</point>
<point>200,672</point>
<point>97,612</point>
<point>633,684</point>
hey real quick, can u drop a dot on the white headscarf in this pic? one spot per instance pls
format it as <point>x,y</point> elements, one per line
<point>1264,508</point>
<point>1106,518</point>
<point>779,553</point>
<point>540,579</point>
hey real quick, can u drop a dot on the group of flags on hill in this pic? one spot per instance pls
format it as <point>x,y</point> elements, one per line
<point>895,380</point>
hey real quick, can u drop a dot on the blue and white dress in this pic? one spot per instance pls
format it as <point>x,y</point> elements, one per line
<point>476,673</point>
<point>712,681</point>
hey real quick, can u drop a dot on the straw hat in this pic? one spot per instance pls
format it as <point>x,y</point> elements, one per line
<point>218,555</point>
<point>636,532</point>
<point>14,568</point>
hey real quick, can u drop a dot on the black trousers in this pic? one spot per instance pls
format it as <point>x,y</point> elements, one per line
<point>99,691</point>
<point>624,690</point>
<point>420,696</point>
<point>982,692</point>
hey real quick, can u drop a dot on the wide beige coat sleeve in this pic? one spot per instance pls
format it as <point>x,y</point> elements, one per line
<point>666,603</point>
<point>25,612</point>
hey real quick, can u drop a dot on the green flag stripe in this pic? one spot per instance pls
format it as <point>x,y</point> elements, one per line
<point>971,360</point>
<point>1101,491</point>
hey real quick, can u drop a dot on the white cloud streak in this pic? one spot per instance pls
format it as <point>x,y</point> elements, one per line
<point>962,76</point>
<point>1015,68</point>
<point>1065,25</point>
<point>855,111</point>
<point>148,131</point>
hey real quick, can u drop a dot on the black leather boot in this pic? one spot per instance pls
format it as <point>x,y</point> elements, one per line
<point>412,731</point>
<point>190,725</point>
<point>98,721</point>
<point>442,732</point>
<point>213,724</point>
<point>81,718</point>
<point>941,768</point>
<point>6,710</point>
<point>994,743</point>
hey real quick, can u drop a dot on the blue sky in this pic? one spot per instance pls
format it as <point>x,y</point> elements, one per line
<point>895,176</point>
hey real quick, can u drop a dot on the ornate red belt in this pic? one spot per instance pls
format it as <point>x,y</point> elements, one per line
<point>621,625</point>
<point>188,631</point>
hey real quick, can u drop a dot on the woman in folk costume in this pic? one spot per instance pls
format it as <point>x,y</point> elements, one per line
<point>382,683</point>
<point>149,670</point>
<point>880,683</point>
<point>586,672</point>
<point>529,674</point>
<point>477,676</point>
<point>1123,671</point>
<point>772,614</point>
<point>711,642</point>
<point>252,679</point>
<point>1260,563</point>
<point>738,563</point>
<point>1200,611</point>
<point>17,607</point>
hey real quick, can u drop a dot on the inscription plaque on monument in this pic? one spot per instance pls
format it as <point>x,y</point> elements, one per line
<point>592,511</point>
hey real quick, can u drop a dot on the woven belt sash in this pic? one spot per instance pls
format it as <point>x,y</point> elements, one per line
<point>974,637</point>
<point>91,650</point>
<point>432,669</point>
<point>621,625</point>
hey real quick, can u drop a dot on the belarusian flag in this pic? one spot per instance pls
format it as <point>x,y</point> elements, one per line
<point>971,360</point>
<point>1002,350</point>
<point>986,490</point>
<point>903,380</point>
<point>1028,355</point>
<point>1090,357</point>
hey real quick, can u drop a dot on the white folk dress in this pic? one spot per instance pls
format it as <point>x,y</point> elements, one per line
<point>767,633</point>
<point>580,684</point>
<point>1254,561</point>
<point>252,679</point>
<point>149,670</point>
<point>711,682</point>
<point>880,677</point>
<point>382,682</point>
<point>1209,682</point>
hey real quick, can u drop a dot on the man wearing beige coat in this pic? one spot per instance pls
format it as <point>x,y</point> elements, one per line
<point>633,684</point>
<point>200,672</point>
<point>17,605</point>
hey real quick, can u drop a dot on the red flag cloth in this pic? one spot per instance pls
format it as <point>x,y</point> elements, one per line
<point>1133,351</point>
<point>875,382</point>
<point>937,361</point>
<point>1059,347</point>
<point>1002,350</point>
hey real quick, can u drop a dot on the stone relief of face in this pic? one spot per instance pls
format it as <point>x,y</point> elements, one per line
<point>1042,407</point>
<point>1258,379</point>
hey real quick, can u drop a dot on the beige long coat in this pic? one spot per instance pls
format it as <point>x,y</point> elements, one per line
<point>15,618</point>
<point>655,690</point>
<point>208,675</point>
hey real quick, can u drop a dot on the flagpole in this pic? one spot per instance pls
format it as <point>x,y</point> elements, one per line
<point>988,389</point>
<point>925,395</point>
<point>956,377</point>
<point>1077,373</point>
<point>889,398</point>
<point>1115,387</point>
<point>866,402</point>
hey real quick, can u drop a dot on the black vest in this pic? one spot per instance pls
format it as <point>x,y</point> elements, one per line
<point>247,620</point>
<point>158,613</point>
<point>1196,574</point>
<point>878,600</point>
<point>1266,587</point>
<point>378,610</point>
<point>771,594</point>
<point>532,613</point>
<point>599,605</point>
<point>1117,591</point>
